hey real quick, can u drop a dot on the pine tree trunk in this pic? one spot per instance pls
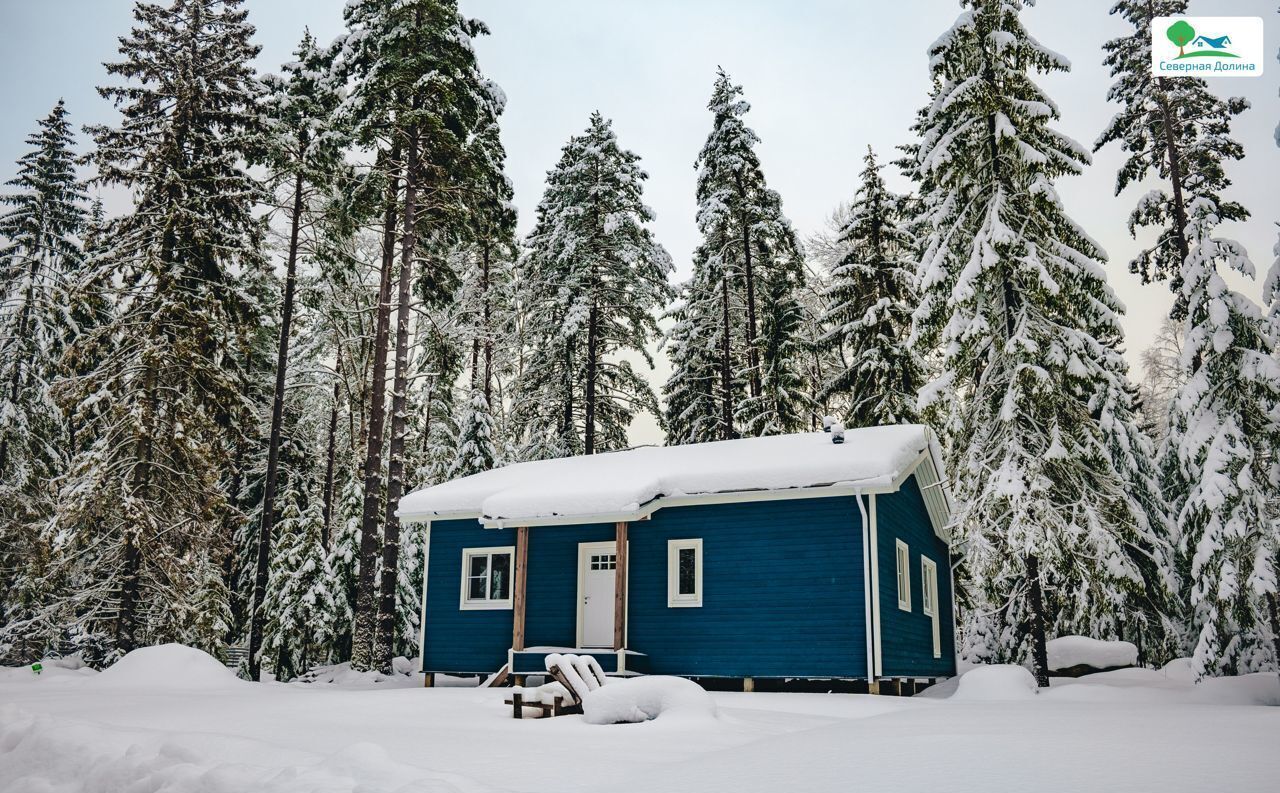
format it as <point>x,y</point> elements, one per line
<point>1035,598</point>
<point>1273,612</point>
<point>126,616</point>
<point>365,617</point>
<point>330,453</point>
<point>726,368</point>
<point>593,368</point>
<point>384,646</point>
<point>258,617</point>
<point>487,317</point>
<point>567,428</point>
<point>753,354</point>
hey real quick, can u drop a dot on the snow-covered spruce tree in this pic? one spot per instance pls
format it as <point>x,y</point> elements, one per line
<point>1220,453</point>
<point>1180,132</point>
<point>1175,128</point>
<point>306,605</point>
<point>784,404</point>
<point>1014,296</point>
<point>698,391</point>
<point>475,438</point>
<point>596,278</point>
<point>303,154</point>
<point>745,239</point>
<point>169,361</point>
<point>40,258</point>
<point>868,311</point>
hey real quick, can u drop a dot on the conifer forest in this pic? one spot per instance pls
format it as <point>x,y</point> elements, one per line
<point>321,297</point>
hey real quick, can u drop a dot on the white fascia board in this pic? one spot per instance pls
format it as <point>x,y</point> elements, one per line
<point>939,512</point>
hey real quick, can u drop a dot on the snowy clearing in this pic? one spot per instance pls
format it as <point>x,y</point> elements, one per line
<point>1130,730</point>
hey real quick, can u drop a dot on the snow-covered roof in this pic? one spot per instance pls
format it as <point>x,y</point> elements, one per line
<point>629,485</point>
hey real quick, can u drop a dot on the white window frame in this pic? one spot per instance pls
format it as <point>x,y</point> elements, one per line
<point>929,599</point>
<point>902,558</point>
<point>674,598</point>
<point>467,604</point>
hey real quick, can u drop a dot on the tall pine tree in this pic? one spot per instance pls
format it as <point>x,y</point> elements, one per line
<point>1014,297</point>
<point>148,489</point>
<point>40,261</point>
<point>868,311</point>
<point>596,278</point>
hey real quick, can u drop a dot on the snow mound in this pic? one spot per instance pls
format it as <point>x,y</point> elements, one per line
<point>1066,652</point>
<point>643,698</point>
<point>403,675</point>
<point>167,666</point>
<point>1180,669</point>
<point>995,683</point>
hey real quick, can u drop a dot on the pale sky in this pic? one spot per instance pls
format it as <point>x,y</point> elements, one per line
<point>649,65</point>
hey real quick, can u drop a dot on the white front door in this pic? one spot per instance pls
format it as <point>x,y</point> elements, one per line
<point>597,566</point>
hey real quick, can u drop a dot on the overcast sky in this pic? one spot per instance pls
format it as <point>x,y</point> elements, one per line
<point>649,65</point>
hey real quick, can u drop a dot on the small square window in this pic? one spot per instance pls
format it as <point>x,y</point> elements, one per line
<point>904,575</point>
<point>684,573</point>
<point>486,578</point>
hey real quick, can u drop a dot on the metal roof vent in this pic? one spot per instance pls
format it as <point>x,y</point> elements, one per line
<point>827,421</point>
<point>837,432</point>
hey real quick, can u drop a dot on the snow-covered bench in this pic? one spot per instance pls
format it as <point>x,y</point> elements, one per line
<point>573,677</point>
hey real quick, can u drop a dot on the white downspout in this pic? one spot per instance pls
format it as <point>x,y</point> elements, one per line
<point>866,587</point>
<point>422,614</point>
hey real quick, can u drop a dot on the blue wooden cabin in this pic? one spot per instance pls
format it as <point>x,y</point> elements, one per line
<point>783,557</point>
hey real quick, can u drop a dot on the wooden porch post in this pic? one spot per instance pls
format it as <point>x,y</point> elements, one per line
<point>620,588</point>
<point>517,592</point>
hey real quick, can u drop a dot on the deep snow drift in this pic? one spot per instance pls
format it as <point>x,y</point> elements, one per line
<point>73,731</point>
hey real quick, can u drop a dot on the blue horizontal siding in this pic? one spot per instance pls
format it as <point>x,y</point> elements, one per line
<point>906,638</point>
<point>454,640</point>
<point>552,587</point>
<point>782,590</point>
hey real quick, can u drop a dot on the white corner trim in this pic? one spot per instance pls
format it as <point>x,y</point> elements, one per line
<point>422,614</point>
<point>875,587</point>
<point>674,598</point>
<point>465,604</point>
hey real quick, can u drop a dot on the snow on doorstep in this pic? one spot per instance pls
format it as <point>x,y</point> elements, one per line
<point>1068,651</point>
<point>621,483</point>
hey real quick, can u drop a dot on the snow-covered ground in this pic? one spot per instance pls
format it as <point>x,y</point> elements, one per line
<point>178,724</point>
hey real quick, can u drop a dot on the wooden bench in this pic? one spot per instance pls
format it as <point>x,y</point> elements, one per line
<point>578,675</point>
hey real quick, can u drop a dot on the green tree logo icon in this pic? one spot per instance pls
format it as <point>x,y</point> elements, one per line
<point>1181,34</point>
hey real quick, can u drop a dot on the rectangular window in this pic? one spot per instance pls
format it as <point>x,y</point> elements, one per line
<point>486,577</point>
<point>684,573</point>
<point>904,576</point>
<point>929,600</point>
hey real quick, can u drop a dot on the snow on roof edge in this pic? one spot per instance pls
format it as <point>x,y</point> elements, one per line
<point>631,484</point>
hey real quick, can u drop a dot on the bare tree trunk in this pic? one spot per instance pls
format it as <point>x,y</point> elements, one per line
<point>330,453</point>
<point>1273,609</point>
<point>487,318</point>
<point>384,644</point>
<point>726,369</point>
<point>593,366</point>
<point>258,615</point>
<point>366,616</point>
<point>753,354</point>
<point>1035,598</point>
